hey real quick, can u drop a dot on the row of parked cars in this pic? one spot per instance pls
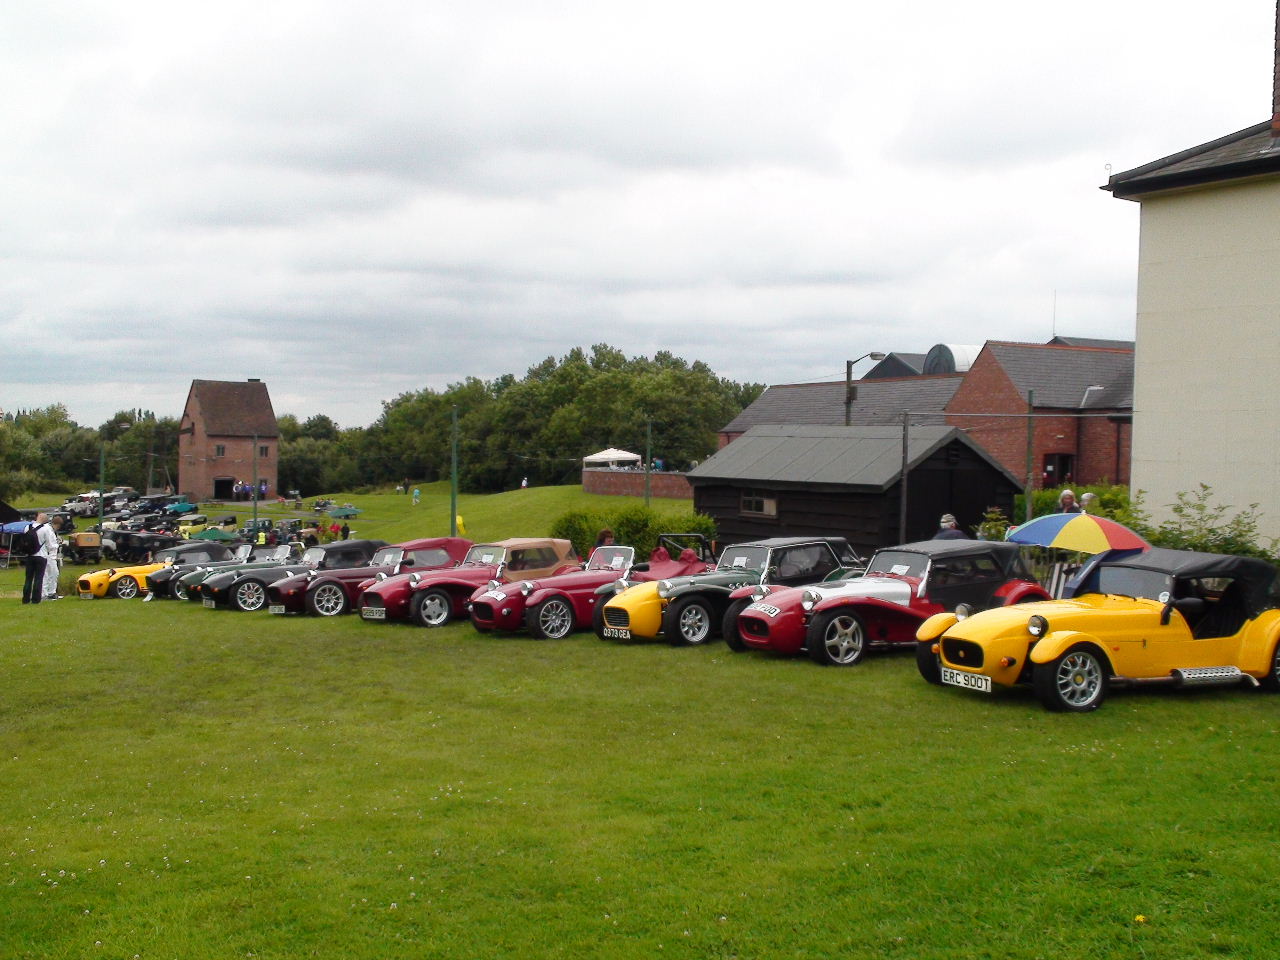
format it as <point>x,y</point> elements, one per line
<point>971,611</point>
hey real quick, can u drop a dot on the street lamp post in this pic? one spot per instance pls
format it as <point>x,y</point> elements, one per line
<point>851,391</point>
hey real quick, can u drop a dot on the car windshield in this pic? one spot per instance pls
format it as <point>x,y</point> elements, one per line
<point>243,551</point>
<point>611,558</point>
<point>897,563</point>
<point>164,555</point>
<point>743,558</point>
<point>313,557</point>
<point>387,557</point>
<point>1128,582</point>
<point>488,553</point>
<point>278,552</point>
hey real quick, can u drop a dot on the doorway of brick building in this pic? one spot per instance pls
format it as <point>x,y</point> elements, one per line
<point>1059,469</point>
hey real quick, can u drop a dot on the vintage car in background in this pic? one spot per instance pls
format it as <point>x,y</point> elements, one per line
<point>82,547</point>
<point>836,622</point>
<point>171,582</point>
<point>330,593</point>
<point>125,583</point>
<point>245,588</point>
<point>128,546</point>
<point>1170,617</point>
<point>553,607</point>
<point>690,610</point>
<point>434,598</point>
<point>192,524</point>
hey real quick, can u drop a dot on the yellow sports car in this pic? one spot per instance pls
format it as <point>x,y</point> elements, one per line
<point>126,583</point>
<point>1162,617</point>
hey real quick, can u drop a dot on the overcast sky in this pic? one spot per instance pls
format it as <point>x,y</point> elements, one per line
<point>352,201</point>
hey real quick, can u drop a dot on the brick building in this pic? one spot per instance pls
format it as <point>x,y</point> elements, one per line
<point>1081,398</point>
<point>228,434</point>
<point>1080,393</point>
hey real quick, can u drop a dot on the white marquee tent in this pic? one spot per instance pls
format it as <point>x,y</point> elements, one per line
<point>611,458</point>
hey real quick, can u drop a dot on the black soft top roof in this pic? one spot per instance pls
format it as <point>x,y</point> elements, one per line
<point>835,542</point>
<point>1255,576</point>
<point>955,548</point>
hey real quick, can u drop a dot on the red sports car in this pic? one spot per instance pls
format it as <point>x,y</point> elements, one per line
<point>435,597</point>
<point>554,607</point>
<point>329,593</point>
<point>836,622</point>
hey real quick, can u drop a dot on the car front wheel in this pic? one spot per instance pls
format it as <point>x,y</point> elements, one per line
<point>1076,682</point>
<point>327,600</point>
<point>550,620</point>
<point>837,639</point>
<point>729,626</point>
<point>927,662</point>
<point>1272,680</point>
<point>249,596</point>
<point>126,588</point>
<point>689,622</point>
<point>431,608</point>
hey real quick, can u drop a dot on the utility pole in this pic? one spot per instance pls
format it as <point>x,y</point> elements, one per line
<point>1031,431</point>
<point>453,473</point>
<point>902,502</point>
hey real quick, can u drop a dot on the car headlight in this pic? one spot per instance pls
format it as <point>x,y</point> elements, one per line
<point>493,584</point>
<point>664,587</point>
<point>1037,626</point>
<point>759,591</point>
<point>620,585</point>
<point>382,575</point>
<point>526,587</point>
<point>963,610</point>
<point>111,572</point>
<point>808,599</point>
<point>414,578</point>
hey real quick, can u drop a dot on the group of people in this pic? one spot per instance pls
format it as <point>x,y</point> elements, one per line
<point>244,490</point>
<point>41,580</point>
<point>949,529</point>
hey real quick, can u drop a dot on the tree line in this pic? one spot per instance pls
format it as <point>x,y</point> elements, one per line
<point>538,428</point>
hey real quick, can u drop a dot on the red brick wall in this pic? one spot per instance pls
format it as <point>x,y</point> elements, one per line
<point>1090,440</point>
<point>630,483</point>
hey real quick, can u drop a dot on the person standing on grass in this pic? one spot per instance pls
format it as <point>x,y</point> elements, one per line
<point>33,583</point>
<point>51,571</point>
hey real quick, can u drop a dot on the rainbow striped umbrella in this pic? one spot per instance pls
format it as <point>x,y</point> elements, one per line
<point>1077,531</point>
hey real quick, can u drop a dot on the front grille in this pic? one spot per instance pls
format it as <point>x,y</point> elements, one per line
<point>753,627</point>
<point>83,586</point>
<point>616,617</point>
<point>962,652</point>
<point>371,600</point>
<point>482,611</point>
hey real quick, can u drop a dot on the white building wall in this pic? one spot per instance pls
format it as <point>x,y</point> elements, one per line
<point>1207,365</point>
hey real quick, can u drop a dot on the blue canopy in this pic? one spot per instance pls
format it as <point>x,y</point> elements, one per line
<point>17,526</point>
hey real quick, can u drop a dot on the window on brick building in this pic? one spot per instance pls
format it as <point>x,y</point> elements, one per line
<point>219,450</point>
<point>264,452</point>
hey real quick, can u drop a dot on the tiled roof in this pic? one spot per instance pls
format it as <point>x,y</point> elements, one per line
<point>234,408</point>
<point>878,402</point>
<point>1245,153</point>
<point>1063,376</point>
<point>862,456</point>
<point>1091,342</point>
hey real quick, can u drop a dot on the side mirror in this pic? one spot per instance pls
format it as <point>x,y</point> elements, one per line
<point>641,566</point>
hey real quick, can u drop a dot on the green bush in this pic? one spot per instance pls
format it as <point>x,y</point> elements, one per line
<point>634,526</point>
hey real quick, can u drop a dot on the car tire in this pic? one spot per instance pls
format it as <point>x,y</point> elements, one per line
<point>249,595</point>
<point>597,617</point>
<point>1075,682</point>
<point>1272,680</point>
<point>690,622</point>
<point>328,600</point>
<point>552,619</point>
<point>927,662</point>
<point>837,638</point>
<point>729,626</point>
<point>126,588</point>
<point>431,608</point>
<point>178,589</point>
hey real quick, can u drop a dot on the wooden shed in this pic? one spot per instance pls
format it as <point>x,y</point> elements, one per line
<point>847,481</point>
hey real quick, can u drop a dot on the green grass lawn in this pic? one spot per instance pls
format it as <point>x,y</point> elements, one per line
<point>188,783</point>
